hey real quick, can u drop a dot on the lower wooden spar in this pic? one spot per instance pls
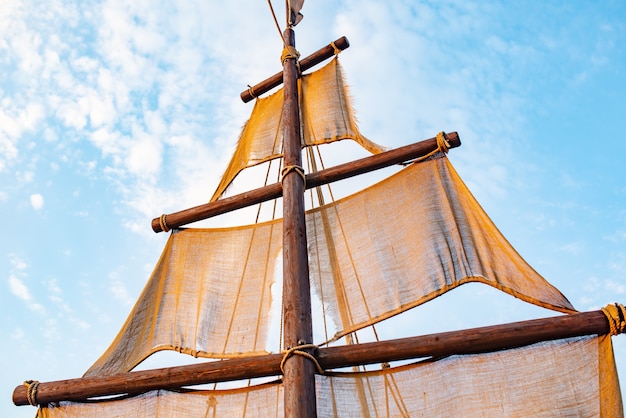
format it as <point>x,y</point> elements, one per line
<point>470,341</point>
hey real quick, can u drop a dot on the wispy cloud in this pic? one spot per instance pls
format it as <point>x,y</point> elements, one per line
<point>36,201</point>
<point>19,289</point>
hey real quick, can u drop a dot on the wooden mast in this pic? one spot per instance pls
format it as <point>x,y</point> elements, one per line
<point>299,372</point>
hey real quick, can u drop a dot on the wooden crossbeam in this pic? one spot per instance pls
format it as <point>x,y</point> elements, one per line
<point>469,341</point>
<point>305,63</point>
<point>329,175</point>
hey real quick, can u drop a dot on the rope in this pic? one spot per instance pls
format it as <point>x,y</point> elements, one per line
<point>288,169</point>
<point>335,49</point>
<point>298,351</point>
<point>251,92</point>
<point>616,314</point>
<point>442,146</point>
<point>280,32</point>
<point>163,223</point>
<point>31,391</point>
<point>442,143</point>
<point>288,53</point>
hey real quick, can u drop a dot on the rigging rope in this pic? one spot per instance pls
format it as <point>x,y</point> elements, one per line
<point>616,314</point>
<point>280,32</point>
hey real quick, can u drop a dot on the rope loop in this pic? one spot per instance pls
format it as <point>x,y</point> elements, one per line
<point>251,92</point>
<point>31,391</point>
<point>163,223</point>
<point>442,142</point>
<point>288,169</point>
<point>335,49</point>
<point>442,146</point>
<point>289,52</point>
<point>298,351</point>
<point>616,314</point>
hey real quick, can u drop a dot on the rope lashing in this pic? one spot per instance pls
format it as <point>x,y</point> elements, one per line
<point>616,314</point>
<point>298,351</point>
<point>442,146</point>
<point>288,169</point>
<point>163,223</point>
<point>335,49</point>
<point>288,53</point>
<point>31,391</point>
<point>442,143</point>
<point>251,92</point>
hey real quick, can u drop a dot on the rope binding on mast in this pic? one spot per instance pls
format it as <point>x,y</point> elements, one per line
<point>288,169</point>
<point>297,350</point>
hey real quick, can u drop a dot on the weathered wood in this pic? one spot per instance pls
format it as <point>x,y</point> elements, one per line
<point>299,373</point>
<point>273,191</point>
<point>469,341</point>
<point>305,63</point>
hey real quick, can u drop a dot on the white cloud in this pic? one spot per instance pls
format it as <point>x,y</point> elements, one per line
<point>19,289</point>
<point>144,155</point>
<point>36,201</point>
<point>17,263</point>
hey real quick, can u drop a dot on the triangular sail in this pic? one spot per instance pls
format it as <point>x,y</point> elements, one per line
<point>409,239</point>
<point>325,114</point>
<point>209,296</point>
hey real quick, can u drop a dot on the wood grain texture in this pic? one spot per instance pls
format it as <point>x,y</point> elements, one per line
<point>329,175</point>
<point>469,341</point>
<point>305,64</point>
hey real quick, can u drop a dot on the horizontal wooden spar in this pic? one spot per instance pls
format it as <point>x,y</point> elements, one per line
<point>329,175</point>
<point>470,341</point>
<point>305,63</point>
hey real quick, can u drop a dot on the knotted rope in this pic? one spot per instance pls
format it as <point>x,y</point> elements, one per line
<point>290,52</point>
<point>31,391</point>
<point>288,169</point>
<point>616,314</point>
<point>163,223</point>
<point>442,146</point>
<point>252,92</point>
<point>298,351</point>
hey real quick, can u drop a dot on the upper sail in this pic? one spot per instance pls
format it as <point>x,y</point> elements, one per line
<point>325,116</point>
<point>372,255</point>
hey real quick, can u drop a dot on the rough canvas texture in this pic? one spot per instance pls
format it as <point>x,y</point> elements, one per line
<point>573,377</point>
<point>372,255</point>
<point>407,240</point>
<point>325,116</point>
<point>208,296</point>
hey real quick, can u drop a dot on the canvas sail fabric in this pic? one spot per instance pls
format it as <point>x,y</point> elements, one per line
<point>325,116</point>
<point>407,240</point>
<point>372,255</point>
<point>568,377</point>
<point>208,296</point>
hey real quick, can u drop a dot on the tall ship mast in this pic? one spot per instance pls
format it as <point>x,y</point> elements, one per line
<point>359,261</point>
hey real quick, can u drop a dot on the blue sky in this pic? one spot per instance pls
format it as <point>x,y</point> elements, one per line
<point>114,112</point>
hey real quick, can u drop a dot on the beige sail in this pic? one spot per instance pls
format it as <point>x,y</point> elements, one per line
<point>395,245</point>
<point>407,240</point>
<point>325,116</point>
<point>208,296</point>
